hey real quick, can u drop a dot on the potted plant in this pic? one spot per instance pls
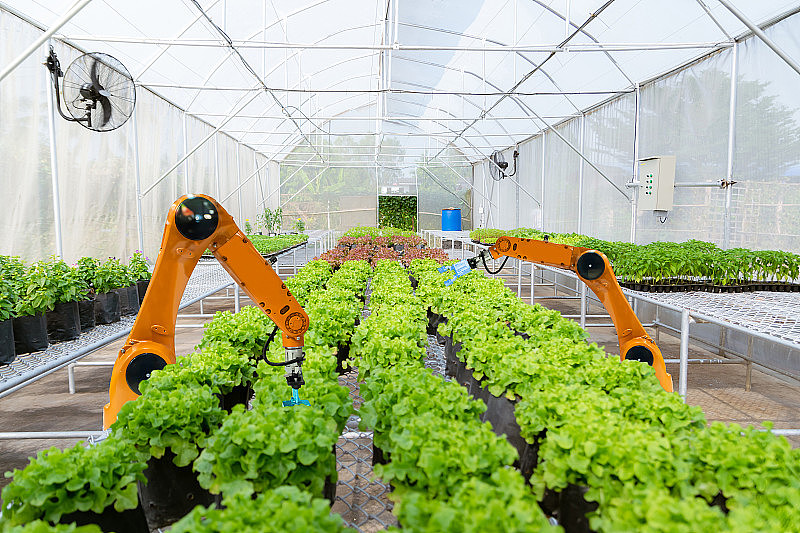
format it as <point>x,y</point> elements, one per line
<point>86,269</point>
<point>170,426</point>
<point>140,273</point>
<point>84,485</point>
<point>36,297</point>
<point>248,228</point>
<point>282,509</point>
<point>39,526</point>
<point>107,301</point>
<point>8,297</point>
<point>63,320</point>
<point>270,446</point>
<point>128,292</point>
<point>299,225</point>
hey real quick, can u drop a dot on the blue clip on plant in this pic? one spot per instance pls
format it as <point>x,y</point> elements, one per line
<point>295,400</point>
<point>459,269</point>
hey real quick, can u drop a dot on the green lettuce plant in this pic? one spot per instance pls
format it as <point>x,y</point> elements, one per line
<point>267,447</point>
<point>284,508</point>
<point>59,482</point>
<point>501,502</point>
<point>39,526</point>
<point>246,331</point>
<point>220,367</point>
<point>179,420</point>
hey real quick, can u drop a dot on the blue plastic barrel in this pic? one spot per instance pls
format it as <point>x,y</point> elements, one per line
<point>451,219</point>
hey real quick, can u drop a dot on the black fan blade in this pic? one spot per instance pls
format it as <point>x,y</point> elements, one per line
<point>106,104</point>
<point>93,74</point>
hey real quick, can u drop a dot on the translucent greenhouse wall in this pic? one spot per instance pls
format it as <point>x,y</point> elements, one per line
<point>97,171</point>
<point>686,114</point>
<point>342,191</point>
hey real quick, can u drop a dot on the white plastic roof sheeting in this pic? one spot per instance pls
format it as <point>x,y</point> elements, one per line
<point>432,72</point>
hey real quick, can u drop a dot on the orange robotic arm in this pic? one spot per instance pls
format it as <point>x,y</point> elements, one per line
<point>196,223</point>
<point>594,269</point>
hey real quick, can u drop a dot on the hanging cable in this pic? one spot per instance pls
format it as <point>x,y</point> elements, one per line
<point>266,349</point>
<point>483,258</point>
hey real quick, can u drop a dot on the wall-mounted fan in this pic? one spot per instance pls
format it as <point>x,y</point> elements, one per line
<point>498,165</point>
<point>98,90</point>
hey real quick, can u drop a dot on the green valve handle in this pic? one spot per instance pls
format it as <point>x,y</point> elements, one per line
<point>295,400</point>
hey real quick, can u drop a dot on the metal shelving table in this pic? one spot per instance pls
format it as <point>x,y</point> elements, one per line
<point>769,317</point>
<point>207,279</point>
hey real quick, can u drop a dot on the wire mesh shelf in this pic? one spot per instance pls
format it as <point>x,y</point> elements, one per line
<point>206,279</point>
<point>776,314</point>
<point>362,500</point>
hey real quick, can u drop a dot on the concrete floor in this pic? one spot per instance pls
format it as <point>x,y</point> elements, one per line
<point>46,405</point>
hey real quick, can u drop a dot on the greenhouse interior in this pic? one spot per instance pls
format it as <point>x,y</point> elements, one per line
<point>507,266</point>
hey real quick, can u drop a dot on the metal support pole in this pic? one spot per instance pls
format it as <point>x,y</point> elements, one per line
<point>684,354</point>
<point>533,282</point>
<point>71,378</point>
<point>749,367</point>
<point>636,131</point>
<point>726,237</point>
<point>54,166</point>
<point>580,175</point>
<point>138,177</point>
<point>239,179</point>
<point>237,299</point>
<point>519,276</point>
<point>216,165</point>
<point>583,304</point>
<point>20,435</point>
<point>185,154</point>
<point>761,35</point>
<point>544,168</point>
<point>34,46</point>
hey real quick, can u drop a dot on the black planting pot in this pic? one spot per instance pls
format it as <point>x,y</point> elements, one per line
<point>7,351</point>
<point>239,395</point>
<point>64,322</point>
<point>452,362</point>
<point>124,305</point>
<point>573,508</point>
<point>477,387</point>
<point>463,375</point>
<point>433,322</point>
<point>86,314</point>
<point>128,300</point>
<point>128,521</point>
<point>133,298</point>
<point>439,337</point>
<point>141,288</point>
<point>500,413</point>
<point>379,457</point>
<point>342,355</point>
<point>30,333</point>
<point>171,491</point>
<point>106,307</point>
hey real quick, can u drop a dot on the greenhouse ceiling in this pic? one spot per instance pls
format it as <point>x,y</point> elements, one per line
<point>430,74</point>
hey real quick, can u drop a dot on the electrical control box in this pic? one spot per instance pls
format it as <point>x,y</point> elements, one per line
<point>657,183</point>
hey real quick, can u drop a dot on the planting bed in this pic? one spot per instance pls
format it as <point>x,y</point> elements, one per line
<point>572,434</point>
<point>678,267</point>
